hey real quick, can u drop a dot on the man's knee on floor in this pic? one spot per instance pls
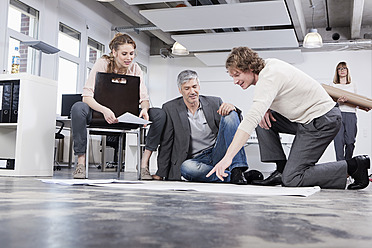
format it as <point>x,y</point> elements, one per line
<point>289,182</point>
<point>187,166</point>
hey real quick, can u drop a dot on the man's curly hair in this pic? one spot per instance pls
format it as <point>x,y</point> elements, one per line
<point>243,59</point>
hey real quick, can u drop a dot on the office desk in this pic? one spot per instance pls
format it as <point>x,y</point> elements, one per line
<point>285,140</point>
<point>252,152</point>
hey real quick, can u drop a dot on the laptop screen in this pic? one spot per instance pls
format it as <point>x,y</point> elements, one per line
<point>67,101</point>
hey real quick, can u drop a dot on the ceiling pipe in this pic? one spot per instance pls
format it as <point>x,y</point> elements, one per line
<point>350,42</point>
<point>366,42</point>
<point>136,29</point>
<point>328,28</point>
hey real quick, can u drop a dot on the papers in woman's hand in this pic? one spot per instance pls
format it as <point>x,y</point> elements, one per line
<point>130,118</point>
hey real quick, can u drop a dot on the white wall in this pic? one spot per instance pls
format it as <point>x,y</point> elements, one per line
<point>215,81</point>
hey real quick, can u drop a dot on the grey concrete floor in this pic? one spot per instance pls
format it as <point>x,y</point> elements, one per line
<point>36,214</point>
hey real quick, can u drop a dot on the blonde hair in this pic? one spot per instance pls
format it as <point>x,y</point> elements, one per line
<point>244,59</point>
<point>118,40</point>
<point>336,78</point>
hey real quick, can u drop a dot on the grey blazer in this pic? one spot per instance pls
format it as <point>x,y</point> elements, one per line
<point>175,142</point>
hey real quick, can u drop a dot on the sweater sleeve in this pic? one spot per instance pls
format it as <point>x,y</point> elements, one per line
<point>99,66</point>
<point>264,94</point>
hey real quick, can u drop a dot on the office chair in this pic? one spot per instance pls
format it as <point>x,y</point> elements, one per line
<point>113,141</point>
<point>58,136</point>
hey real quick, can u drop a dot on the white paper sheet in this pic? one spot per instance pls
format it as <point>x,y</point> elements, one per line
<point>215,188</point>
<point>130,118</point>
<point>77,181</point>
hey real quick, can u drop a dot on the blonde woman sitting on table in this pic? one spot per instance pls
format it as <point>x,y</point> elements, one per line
<point>120,61</point>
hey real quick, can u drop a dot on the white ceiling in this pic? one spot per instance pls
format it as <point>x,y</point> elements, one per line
<point>219,58</point>
<point>219,16</point>
<point>215,26</point>
<point>268,39</point>
<point>137,2</point>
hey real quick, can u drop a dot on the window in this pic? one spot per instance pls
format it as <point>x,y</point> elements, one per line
<point>87,72</point>
<point>70,62</point>
<point>23,18</point>
<point>94,50</point>
<point>144,71</point>
<point>69,40</point>
<point>67,79</point>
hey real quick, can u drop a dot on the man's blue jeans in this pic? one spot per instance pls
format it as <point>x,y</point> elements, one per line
<point>197,168</point>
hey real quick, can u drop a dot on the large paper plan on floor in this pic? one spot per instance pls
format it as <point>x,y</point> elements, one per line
<point>209,188</point>
<point>353,99</point>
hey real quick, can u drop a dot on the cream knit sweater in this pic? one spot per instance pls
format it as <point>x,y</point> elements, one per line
<point>290,92</point>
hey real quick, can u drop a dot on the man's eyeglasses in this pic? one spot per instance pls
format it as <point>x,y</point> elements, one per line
<point>342,68</point>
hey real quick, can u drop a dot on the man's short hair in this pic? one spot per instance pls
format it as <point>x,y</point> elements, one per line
<point>185,76</point>
<point>243,59</point>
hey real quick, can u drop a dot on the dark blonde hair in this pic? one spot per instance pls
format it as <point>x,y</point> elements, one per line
<point>336,78</point>
<point>244,59</point>
<point>118,40</point>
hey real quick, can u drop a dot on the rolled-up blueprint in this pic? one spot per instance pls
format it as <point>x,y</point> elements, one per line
<point>352,98</point>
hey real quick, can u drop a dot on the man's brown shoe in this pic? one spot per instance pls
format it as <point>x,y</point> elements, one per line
<point>156,177</point>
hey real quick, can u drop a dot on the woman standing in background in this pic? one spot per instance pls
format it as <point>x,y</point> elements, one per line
<point>345,139</point>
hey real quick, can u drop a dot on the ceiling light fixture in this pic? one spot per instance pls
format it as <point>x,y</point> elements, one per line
<point>178,49</point>
<point>105,1</point>
<point>313,38</point>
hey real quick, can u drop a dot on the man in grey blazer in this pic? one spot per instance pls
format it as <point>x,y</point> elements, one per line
<point>196,135</point>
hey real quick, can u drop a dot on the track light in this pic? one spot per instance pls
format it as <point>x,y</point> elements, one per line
<point>313,38</point>
<point>178,49</point>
